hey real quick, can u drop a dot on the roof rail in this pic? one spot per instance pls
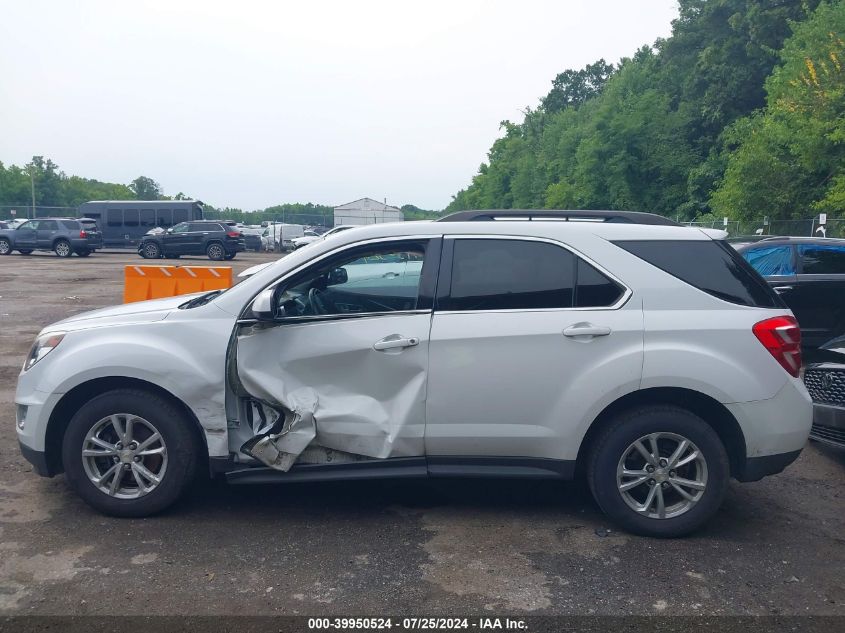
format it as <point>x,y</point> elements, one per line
<point>623,217</point>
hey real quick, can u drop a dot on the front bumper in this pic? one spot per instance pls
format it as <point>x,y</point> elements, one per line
<point>828,425</point>
<point>38,459</point>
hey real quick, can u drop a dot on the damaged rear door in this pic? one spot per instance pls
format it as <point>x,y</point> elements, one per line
<point>336,370</point>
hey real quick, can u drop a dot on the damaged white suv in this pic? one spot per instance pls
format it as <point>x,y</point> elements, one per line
<point>648,356</point>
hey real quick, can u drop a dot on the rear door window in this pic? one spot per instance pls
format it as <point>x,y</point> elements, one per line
<point>509,274</point>
<point>771,260</point>
<point>822,259</point>
<point>48,225</point>
<point>71,225</point>
<point>711,266</point>
<point>594,289</point>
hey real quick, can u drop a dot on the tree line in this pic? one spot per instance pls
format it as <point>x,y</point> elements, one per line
<point>42,179</point>
<point>739,113</point>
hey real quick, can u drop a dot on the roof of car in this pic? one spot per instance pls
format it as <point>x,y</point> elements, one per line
<point>787,239</point>
<point>567,215</point>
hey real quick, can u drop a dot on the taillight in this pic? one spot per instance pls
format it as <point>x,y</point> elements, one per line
<point>233,234</point>
<point>82,233</point>
<point>782,337</point>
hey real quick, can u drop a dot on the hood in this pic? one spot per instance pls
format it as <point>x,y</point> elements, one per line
<point>137,312</point>
<point>249,272</point>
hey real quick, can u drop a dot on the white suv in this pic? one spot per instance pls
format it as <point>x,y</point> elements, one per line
<point>649,357</point>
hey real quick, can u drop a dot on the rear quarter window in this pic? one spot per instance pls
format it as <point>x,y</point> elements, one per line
<point>711,266</point>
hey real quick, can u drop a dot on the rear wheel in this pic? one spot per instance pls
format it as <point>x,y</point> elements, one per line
<point>150,250</point>
<point>62,248</point>
<point>5,246</point>
<point>215,251</point>
<point>659,471</point>
<point>130,453</point>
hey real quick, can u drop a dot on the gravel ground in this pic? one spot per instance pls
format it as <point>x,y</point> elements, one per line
<point>411,547</point>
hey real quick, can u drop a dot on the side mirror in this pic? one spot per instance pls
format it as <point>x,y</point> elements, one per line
<point>337,276</point>
<point>262,305</point>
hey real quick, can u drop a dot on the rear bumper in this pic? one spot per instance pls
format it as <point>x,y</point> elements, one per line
<point>828,425</point>
<point>756,468</point>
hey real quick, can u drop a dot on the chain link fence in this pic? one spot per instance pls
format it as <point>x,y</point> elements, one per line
<point>808,227</point>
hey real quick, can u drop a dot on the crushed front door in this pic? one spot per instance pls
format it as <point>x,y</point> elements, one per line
<point>341,374</point>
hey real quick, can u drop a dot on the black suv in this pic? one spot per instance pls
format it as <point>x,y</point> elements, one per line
<point>198,237</point>
<point>64,236</point>
<point>809,275</point>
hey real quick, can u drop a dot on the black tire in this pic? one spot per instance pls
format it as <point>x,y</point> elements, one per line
<point>150,250</point>
<point>215,251</point>
<point>230,257</point>
<point>62,248</point>
<point>634,424</point>
<point>181,441</point>
<point>5,246</point>
<point>83,253</point>
<point>25,251</point>
<point>173,256</point>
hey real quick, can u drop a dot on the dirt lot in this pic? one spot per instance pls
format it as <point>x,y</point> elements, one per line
<point>777,546</point>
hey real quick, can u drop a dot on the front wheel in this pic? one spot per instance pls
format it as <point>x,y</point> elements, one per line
<point>130,453</point>
<point>215,251</point>
<point>62,248</point>
<point>150,250</point>
<point>5,246</point>
<point>659,471</point>
<point>25,251</point>
<point>230,257</point>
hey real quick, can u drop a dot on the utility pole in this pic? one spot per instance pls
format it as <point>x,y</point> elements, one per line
<point>32,183</point>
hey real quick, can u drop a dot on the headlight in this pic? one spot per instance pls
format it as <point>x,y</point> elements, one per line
<point>43,345</point>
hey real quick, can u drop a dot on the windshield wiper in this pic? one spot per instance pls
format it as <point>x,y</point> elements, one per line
<point>201,300</point>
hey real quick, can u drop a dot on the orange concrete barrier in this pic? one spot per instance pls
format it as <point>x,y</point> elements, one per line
<point>154,282</point>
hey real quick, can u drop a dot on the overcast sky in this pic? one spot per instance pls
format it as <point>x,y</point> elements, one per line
<point>249,104</point>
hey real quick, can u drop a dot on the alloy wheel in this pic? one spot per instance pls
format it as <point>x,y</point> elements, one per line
<point>124,456</point>
<point>662,475</point>
<point>62,249</point>
<point>5,247</point>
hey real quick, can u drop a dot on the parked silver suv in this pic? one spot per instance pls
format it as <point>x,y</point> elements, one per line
<point>650,357</point>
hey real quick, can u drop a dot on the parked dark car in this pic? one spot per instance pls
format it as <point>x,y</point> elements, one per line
<point>824,376</point>
<point>202,237</point>
<point>64,236</point>
<point>809,275</point>
<point>3,225</point>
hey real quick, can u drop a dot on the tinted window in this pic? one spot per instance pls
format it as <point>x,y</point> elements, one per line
<point>822,259</point>
<point>130,217</point>
<point>164,217</point>
<point>32,224</point>
<point>73,225</point>
<point>594,289</point>
<point>510,275</point>
<point>148,217</point>
<point>114,217</point>
<point>771,260</point>
<point>711,266</point>
<point>89,225</point>
<point>383,278</point>
<point>181,228</point>
<point>48,225</point>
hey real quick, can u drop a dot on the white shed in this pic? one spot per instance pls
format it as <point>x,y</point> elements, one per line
<point>366,211</point>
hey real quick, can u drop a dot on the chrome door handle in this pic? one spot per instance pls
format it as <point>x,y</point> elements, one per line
<point>586,329</point>
<point>395,341</point>
<point>782,289</point>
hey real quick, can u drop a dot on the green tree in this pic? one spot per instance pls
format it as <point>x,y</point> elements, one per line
<point>146,188</point>
<point>788,160</point>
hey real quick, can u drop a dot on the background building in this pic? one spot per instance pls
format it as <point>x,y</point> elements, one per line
<point>366,211</point>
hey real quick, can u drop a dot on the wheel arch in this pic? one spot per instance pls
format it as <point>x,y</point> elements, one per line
<point>71,402</point>
<point>707,408</point>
